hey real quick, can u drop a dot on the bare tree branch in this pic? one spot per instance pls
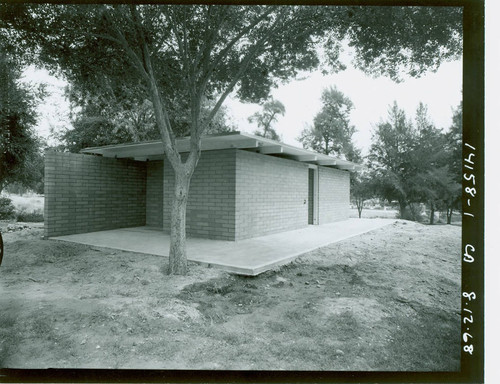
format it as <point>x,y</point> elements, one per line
<point>244,65</point>
<point>212,27</point>
<point>135,60</point>
<point>179,42</point>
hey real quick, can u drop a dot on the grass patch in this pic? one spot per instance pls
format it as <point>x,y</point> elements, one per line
<point>433,326</point>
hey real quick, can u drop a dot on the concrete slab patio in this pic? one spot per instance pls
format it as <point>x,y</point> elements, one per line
<point>246,257</point>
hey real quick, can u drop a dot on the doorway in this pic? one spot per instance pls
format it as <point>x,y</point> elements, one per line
<point>312,201</point>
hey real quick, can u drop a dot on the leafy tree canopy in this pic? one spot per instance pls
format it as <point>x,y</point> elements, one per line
<point>403,41</point>
<point>390,155</point>
<point>411,162</point>
<point>362,189</point>
<point>102,121</point>
<point>265,119</point>
<point>454,143</point>
<point>19,146</point>
<point>332,132</point>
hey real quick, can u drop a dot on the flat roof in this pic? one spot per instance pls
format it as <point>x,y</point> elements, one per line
<point>153,150</point>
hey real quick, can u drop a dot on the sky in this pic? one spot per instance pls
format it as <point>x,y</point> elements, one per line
<point>440,91</point>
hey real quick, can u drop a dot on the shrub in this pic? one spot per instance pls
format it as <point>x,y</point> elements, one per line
<point>30,217</point>
<point>413,212</point>
<point>6,208</point>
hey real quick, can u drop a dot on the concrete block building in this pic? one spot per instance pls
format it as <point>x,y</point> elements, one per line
<point>244,186</point>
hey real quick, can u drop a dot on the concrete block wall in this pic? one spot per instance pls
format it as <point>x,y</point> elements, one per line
<point>211,200</point>
<point>334,190</point>
<point>154,194</point>
<point>85,193</point>
<point>271,194</point>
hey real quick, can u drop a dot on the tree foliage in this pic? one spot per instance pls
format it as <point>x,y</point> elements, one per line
<point>391,142</point>
<point>451,201</point>
<point>99,121</point>
<point>331,134</point>
<point>362,189</point>
<point>107,116</point>
<point>411,163</point>
<point>408,42</point>
<point>20,156</point>
<point>332,131</point>
<point>265,119</point>
<point>7,209</point>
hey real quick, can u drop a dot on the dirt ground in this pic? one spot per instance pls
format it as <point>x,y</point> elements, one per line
<point>386,300</point>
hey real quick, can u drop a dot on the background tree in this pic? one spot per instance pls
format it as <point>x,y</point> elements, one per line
<point>31,176</point>
<point>412,163</point>
<point>389,157</point>
<point>20,156</point>
<point>453,198</point>
<point>426,158</point>
<point>101,121</point>
<point>430,179</point>
<point>332,132</point>
<point>221,122</point>
<point>446,192</point>
<point>180,54</point>
<point>108,115</point>
<point>362,189</point>
<point>265,119</point>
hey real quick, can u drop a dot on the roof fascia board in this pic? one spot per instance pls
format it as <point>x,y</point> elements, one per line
<point>327,162</point>
<point>270,149</point>
<point>347,167</point>
<point>149,158</point>
<point>304,157</point>
<point>245,143</point>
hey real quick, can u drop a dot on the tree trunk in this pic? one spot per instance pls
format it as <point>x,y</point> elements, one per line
<point>402,209</point>
<point>449,212</point>
<point>432,214</point>
<point>359,204</point>
<point>177,259</point>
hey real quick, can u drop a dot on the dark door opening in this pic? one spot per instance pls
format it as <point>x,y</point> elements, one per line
<point>310,199</point>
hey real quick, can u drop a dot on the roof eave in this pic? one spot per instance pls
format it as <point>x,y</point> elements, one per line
<point>150,150</point>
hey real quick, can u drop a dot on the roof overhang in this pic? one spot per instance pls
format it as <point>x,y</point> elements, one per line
<point>153,150</point>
